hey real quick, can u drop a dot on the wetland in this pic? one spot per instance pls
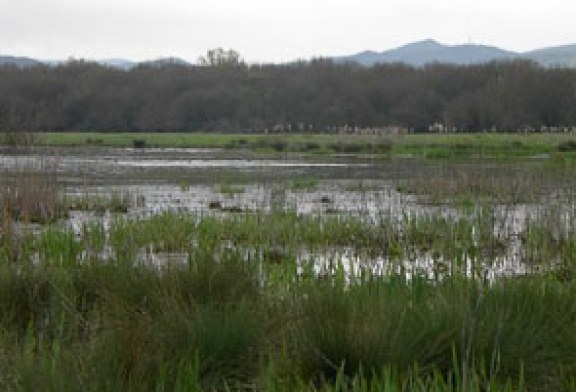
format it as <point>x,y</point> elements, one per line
<point>431,264</point>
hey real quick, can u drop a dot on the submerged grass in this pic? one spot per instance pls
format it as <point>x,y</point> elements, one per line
<point>241,312</point>
<point>466,245</point>
<point>506,185</point>
<point>115,202</point>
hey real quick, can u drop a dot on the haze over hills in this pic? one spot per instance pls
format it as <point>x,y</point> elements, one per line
<point>21,62</point>
<point>416,54</point>
<point>123,64</point>
<point>430,51</point>
<point>118,63</point>
<point>559,55</point>
<point>165,61</point>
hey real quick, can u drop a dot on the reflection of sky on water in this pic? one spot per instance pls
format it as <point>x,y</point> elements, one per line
<point>189,180</point>
<point>230,163</point>
<point>146,166</point>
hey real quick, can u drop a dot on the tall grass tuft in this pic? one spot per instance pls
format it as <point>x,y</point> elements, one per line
<point>459,330</point>
<point>32,196</point>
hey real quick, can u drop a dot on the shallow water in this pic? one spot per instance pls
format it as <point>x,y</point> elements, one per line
<point>164,179</point>
<point>108,166</point>
<point>207,181</point>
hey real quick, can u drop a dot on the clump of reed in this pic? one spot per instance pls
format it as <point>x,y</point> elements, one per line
<point>513,330</point>
<point>228,189</point>
<point>32,196</point>
<point>105,326</point>
<point>20,139</point>
<point>115,202</point>
<point>451,183</point>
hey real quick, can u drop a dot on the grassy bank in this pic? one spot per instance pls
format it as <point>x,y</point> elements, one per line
<point>316,143</point>
<point>485,145</point>
<point>428,145</point>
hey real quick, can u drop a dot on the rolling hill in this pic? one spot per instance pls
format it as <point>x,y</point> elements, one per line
<point>430,51</point>
<point>416,54</point>
<point>21,62</point>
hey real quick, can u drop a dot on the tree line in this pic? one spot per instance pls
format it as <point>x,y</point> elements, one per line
<point>312,96</point>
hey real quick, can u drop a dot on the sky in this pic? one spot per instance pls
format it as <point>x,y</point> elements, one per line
<point>264,31</point>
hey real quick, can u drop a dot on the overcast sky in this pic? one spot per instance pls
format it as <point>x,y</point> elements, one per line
<point>272,30</point>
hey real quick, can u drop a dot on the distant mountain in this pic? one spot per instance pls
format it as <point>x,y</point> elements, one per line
<point>429,51</point>
<point>118,63</point>
<point>122,64</point>
<point>557,56</point>
<point>166,61</point>
<point>21,62</point>
<point>416,54</point>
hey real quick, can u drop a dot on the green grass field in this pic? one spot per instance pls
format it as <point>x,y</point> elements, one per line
<point>420,145</point>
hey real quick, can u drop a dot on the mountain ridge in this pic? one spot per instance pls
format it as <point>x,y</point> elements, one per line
<point>562,55</point>
<point>418,54</point>
<point>429,51</point>
<point>17,61</point>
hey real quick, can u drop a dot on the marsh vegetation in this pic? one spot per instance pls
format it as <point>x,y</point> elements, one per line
<point>314,273</point>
